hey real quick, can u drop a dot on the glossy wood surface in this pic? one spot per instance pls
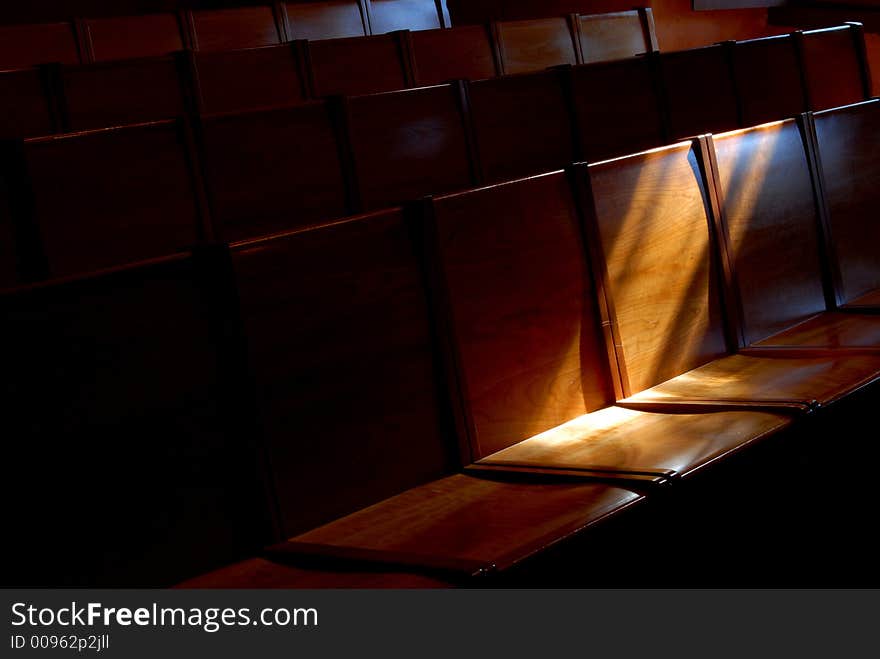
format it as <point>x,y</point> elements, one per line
<point>605,37</point>
<point>274,170</point>
<point>768,78</point>
<point>241,27</point>
<point>358,65</point>
<point>871,299</point>
<point>526,336</point>
<point>831,330</point>
<point>128,37</point>
<point>346,391</point>
<point>464,52</point>
<point>249,78</point>
<point>408,144</point>
<point>330,19</point>
<point>533,45</point>
<point>25,104</point>
<point>617,108</point>
<point>832,67</point>
<point>522,125</point>
<point>652,234</point>
<point>27,45</point>
<point>390,15</point>
<point>475,519</point>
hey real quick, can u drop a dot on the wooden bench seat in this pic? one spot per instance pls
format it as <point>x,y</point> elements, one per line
<point>28,103</point>
<point>768,79</point>
<point>41,43</point>
<point>835,66</point>
<point>236,27</point>
<point>535,44</point>
<point>325,19</point>
<point>615,35</point>
<point>465,52</point>
<point>131,37</point>
<point>360,65</point>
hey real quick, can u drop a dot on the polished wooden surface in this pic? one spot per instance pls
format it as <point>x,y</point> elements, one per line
<point>330,19</point>
<point>519,303</point>
<point>364,65</point>
<point>713,108</point>
<point>832,67</point>
<point>612,36</point>
<point>390,15</point>
<point>849,144</point>
<point>533,45</point>
<point>522,125</point>
<point>624,443</point>
<point>871,299</point>
<point>408,144</point>
<point>768,79</point>
<point>475,519</point>
<point>772,227</point>
<point>652,233</point>
<point>831,330</point>
<point>240,27</point>
<point>273,170</point>
<point>617,108</point>
<point>27,45</point>
<point>465,52</point>
<point>128,37</point>
<point>25,104</point>
<point>118,93</point>
<point>340,354</point>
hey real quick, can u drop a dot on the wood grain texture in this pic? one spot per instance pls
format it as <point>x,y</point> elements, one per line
<point>831,330</point>
<point>653,235</point>
<point>330,19</point>
<point>241,27</point>
<point>871,299</point>
<point>768,79</point>
<point>129,37</point>
<point>533,45</point>
<point>527,337</point>
<point>773,231</point>
<point>341,357</point>
<point>360,65</point>
<point>832,67</point>
<point>849,144</point>
<point>248,79</point>
<point>624,442</point>
<point>617,108</point>
<point>390,15</point>
<point>713,109</point>
<point>612,36</point>
<point>408,144</point>
<point>464,52</point>
<point>25,104</point>
<point>28,45</point>
<point>472,519</point>
<point>273,170</point>
<point>522,125</point>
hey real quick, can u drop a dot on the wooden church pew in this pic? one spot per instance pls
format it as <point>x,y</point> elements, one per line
<point>273,170</point>
<point>44,43</point>
<point>249,78</point>
<point>360,65</point>
<point>533,45</point>
<point>130,37</point>
<point>325,19</point>
<point>835,66</point>
<point>465,52</point>
<point>522,124</point>
<point>114,384</point>
<point>653,253</point>
<point>615,35</point>
<point>391,15</point>
<point>768,79</point>
<point>106,197</point>
<point>28,103</point>
<point>239,27</point>
<point>407,144</point>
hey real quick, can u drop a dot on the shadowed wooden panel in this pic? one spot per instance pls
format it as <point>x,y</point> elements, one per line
<point>653,231</point>
<point>617,108</point>
<point>9,250</point>
<point>713,108</point>
<point>408,144</point>
<point>770,220</point>
<point>27,45</point>
<point>522,125</point>
<point>248,79</point>
<point>536,44</point>
<point>325,19</point>
<point>833,330</point>
<point>612,36</point>
<point>832,67</point>
<point>849,147</point>
<point>25,104</point>
<point>241,27</point>
<point>473,519</point>
<point>346,390</point>
<point>272,171</point>
<point>127,37</point>
<point>110,197</point>
<point>390,15</point>
<point>768,79</point>
<point>457,53</point>
<point>128,92</point>
<point>362,65</point>
<point>525,330</point>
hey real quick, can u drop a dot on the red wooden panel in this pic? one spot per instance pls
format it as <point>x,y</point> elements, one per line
<point>241,27</point>
<point>325,19</point>
<point>274,170</point>
<point>25,104</point>
<point>390,15</point>
<point>617,108</point>
<point>833,66</point>
<point>249,78</point>
<point>768,79</point>
<point>362,65</point>
<point>127,37</point>
<point>346,390</point>
<point>522,125</point>
<point>532,45</point>
<point>521,310</point>
<point>611,36</point>
<point>27,45</point>
<point>408,144</point>
<point>458,53</point>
